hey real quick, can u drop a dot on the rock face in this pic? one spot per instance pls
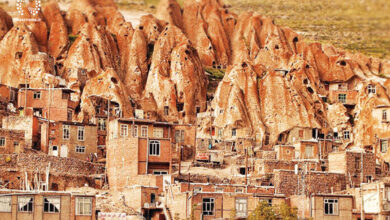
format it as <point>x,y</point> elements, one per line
<point>5,23</point>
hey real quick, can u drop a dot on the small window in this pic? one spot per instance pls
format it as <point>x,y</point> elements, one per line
<point>346,135</point>
<point>309,151</point>
<point>158,132</point>
<point>234,132</point>
<point>144,131</point>
<point>37,95</point>
<point>54,148</point>
<point>102,124</point>
<point>51,204</point>
<point>343,98</point>
<point>83,206</point>
<point>25,203</point>
<point>266,140</point>
<point>241,207</point>
<point>135,131</point>
<point>208,206</point>
<point>166,110</point>
<point>69,115</point>
<point>179,136</point>
<point>371,89</point>
<point>80,149</point>
<point>384,145</point>
<point>197,109</point>
<point>5,203</point>
<point>198,189</point>
<point>80,133</point>
<point>384,115</point>
<point>124,130</point>
<point>159,172</point>
<point>357,163</point>
<point>65,132</point>
<point>154,148</point>
<point>2,141</point>
<point>220,130</point>
<point>331,206</point>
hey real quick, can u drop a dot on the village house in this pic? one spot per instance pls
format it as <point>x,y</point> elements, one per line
<point>139,152</point>
<point>218,201</point>
<point>351,164</point>
<point>29,124</point>
<point>342,92</point>
<point>323,206</point>
<point>8,95</point>
<point>69,139</point>
<point>11,141</point>
<point>145,200</point>
<point>34,205</point>
<point>49,103</point>
<point>375,198</point>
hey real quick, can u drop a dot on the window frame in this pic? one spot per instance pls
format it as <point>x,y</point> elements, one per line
<point>335,209</point>
<point>65,136</point>
<point>384,115</point>
<point>154,148</point>
<point>342,100</point>
<point>124,130</point>
<point>145,135</point>
<point>102,124</point>
<point>135,131</point>
<point>234,132</point>
<point>371,88</point>
<point>2,141</point>
<point>381,143</point>
<point>166,110</point>
<point>84,201</point>
<point>238,202</point>
<point>9,207</point>
<point>79,148</point>
<point>37,95</point>
<point>48,202</point>
<point>346,135</point>
<point>307,146</point>
<point>158,130</point>
<point>31,200</point>
<point>208,211</point>
<point>160,172</point>
<point>81,133</point>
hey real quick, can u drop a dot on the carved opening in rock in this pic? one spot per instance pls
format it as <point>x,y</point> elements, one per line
<point>150,50</point>
<point>305,81</point>
<point>180,106</point>
<point>219,67</point>
<point>307,66</point>
<point>343,63</point>
<point>277,47</point>
<point>244,65</point>
<point>166,110</point>
<point>295,40</point>
<point>210,48</point>
<point>266,139</point>
<point>197,109</point>
<point>141,27</point>
<point>114,80</point>
<point>18,55</point>
<point>309,89</point>
<point>242,170</point>
<point>155,27</point>
<point>77,109</point>
<point>187,52</point>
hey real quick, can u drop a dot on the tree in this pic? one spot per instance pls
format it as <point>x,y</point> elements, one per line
<point>264,211</point>
<point>286,212</point>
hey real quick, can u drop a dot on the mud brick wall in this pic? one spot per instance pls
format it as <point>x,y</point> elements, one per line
<point>353,166</point>
<point>268,166</point>
<point>286,182</point>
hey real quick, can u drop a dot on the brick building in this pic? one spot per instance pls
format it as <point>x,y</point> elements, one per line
<point>11,141</point>
<point>351,164</point>
<point>138,151</point>
<point>29,124</point>
<point>8,95</point>
<point>52,104</point>
<point>26,205</point>
<point>69,139</point>
<point>323,206</point>
<point>342,92</point>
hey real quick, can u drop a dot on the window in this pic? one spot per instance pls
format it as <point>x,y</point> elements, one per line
<point>384,115</point>
<point>65,131</point>
<point>102,124</point>
<point>37,95</point>
<point>83,206</point>
<point>144,131</point>
<point>179,136</point>
<point>166,110</point>
<point>241,207</point>
<point>239,190</point>
<point>25,203</point>
<point>309,151</point>
<point>343,98</point>
<point>266,141</point>
<point>154,148</point>
<point>80,133</point>
<point>69,115</point>
<point>371,89</point>
<point>124,130</point>
<point>51,204</point>
<point>5,203</point>
<point>2,141</point>
<point>234,132</point>
<point>80,149</point>
<point>331,207</point>
<point>384,145</point>
<point>346,135</point>
<point>159,172</point>
<point>198,189</point>
<point>135,131</point>
<point>208,206</point>
<point>158,132</point>
<point>12,95</point>
<point>220,132</point>
<point>357,163</point>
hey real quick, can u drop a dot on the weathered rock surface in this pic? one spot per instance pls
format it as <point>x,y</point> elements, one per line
<point>5,23</point>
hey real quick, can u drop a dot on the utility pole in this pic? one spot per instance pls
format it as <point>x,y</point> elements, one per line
<point>179,158</point>
<point>246,166</point>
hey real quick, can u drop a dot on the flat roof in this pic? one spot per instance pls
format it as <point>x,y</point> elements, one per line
<point>144,121</point>
<point>36,192</point>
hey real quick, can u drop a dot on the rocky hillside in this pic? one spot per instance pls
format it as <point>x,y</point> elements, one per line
<point>274,80</point>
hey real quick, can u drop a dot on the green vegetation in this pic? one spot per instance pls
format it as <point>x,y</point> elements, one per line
<point>359,26</point>
<point>264,211</point>
<point>215,73</point>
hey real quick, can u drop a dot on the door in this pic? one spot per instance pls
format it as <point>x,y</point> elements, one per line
<point>64,151</point>
<point>54,151</point>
